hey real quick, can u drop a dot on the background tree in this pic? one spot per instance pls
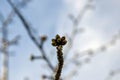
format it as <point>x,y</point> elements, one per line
<point>5,42</point>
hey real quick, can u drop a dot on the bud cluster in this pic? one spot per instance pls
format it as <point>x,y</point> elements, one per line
<point>59,41</point>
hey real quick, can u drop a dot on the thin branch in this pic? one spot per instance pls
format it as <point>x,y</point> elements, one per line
<point>27,27</point>
<point>48,77</point>
<point>76,21</point>
<point>113,74</point>
<point>8,19</point>
<point>10,16</point>
<point>32,57</point>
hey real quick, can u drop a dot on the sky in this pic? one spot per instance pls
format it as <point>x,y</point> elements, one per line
<point>50,17</point>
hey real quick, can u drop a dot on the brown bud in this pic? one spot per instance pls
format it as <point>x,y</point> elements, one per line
<point>53,40</point>
<point>43,38</point>
<point>64,42</point>
<point>57,36</point>
<point>58,40</point>
<point>63,38</point>
<point>54,43</point>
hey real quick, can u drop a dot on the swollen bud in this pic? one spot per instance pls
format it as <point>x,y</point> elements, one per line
<point>57,36</point>
<point>43,38</point>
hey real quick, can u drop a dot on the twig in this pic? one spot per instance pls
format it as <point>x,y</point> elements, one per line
<point>59,43</point>
<point>112,74</point>
<point>76,21</point>
<point>30,34</point>
<point>48,77</point>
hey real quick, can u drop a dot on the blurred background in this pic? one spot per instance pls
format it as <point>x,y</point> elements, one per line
<point>92,29</point>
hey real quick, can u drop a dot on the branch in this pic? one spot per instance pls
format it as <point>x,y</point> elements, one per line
<point>11,14</point>
<point>112,74</point>
<point>48,77</point>
<point>32,57</point>
<point>76,21</point>
<point>27,27</point>
<point>59,43</point>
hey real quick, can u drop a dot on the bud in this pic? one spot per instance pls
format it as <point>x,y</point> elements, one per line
<point>43,38</point>
<point>64,42</point>
<point>54,42</point>
<point>58,40</point>
<point>57,36</point>
<point>63,38</point>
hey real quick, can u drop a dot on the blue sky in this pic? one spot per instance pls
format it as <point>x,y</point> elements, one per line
<point>51,17</point>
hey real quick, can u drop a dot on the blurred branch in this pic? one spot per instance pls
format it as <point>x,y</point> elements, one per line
<point>75,59</point>
<point>115,38</point>
<point>48,77</point>
<point>76,21</point>
<point>89,52</point>
<point>14,41</point>
<point>10,16</point>
<point>8,19</point>
<point>26,78</point>
<point>27,27</point>
<point>32,57</point>
<point>5,24</point>
<point>113,74</point>
<point>1,18</point>
<point>23,3</point>
<point>5,45</point>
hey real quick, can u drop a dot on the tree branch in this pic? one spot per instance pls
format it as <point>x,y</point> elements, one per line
<point>59,42</point>
<point>30,34</point>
